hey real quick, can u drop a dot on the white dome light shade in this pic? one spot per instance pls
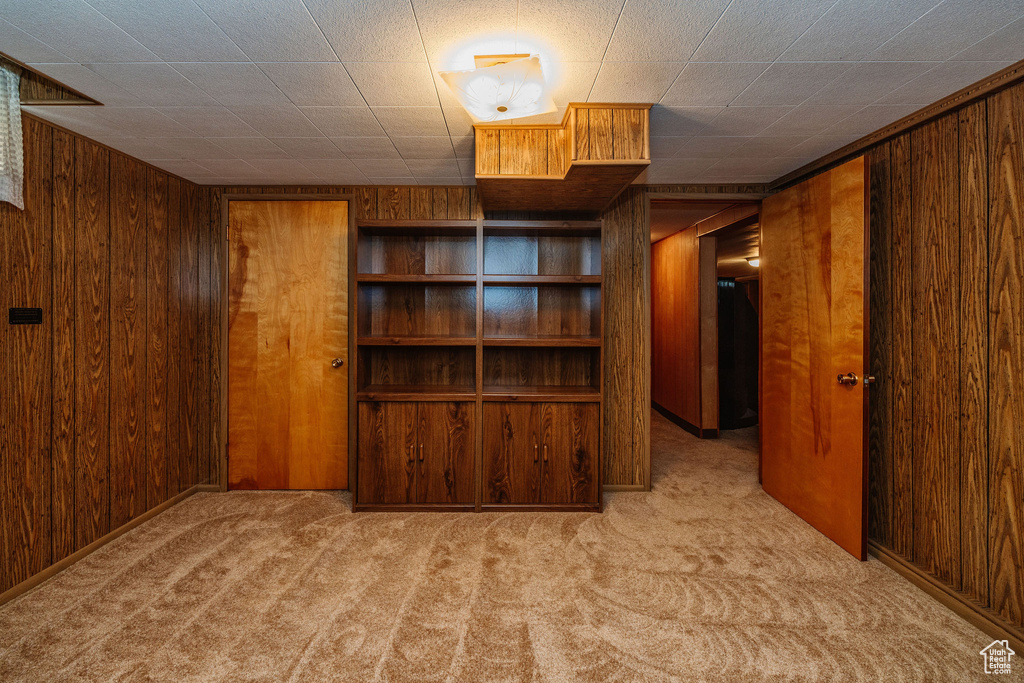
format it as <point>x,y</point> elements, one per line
<point>512,90</point>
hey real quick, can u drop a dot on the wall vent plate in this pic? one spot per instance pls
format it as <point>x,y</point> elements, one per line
<point>25,316</point>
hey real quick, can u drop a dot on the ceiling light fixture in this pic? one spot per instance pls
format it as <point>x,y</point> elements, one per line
<point>755,261</point>
<point>502,87</point>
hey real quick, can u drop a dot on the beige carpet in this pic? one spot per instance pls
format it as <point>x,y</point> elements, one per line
<point>705,579</point>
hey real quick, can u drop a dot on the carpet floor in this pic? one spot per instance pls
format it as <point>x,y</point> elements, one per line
<point>706,578</point>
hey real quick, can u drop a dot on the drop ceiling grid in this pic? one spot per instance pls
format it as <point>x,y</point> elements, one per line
<point>322,91</point>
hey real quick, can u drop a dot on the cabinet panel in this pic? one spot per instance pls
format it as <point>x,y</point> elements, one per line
<point>387,434</point>
<point>445,451</point>
<point>569,452</point>
<point>511,460</point>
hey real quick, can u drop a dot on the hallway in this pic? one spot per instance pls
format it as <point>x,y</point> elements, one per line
<point>704,578</point>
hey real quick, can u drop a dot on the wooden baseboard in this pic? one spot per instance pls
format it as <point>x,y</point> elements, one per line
<point>612,488</point>
<point>57,567</point>
<point>698,432</point>
<point>980,617</point>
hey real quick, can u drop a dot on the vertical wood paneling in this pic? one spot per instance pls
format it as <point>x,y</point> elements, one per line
<point>421,203</point>
<point>127,340</point>
<point>393,202</point>
<point>973,323</point>
<point>1006,353</point>
<point>675,325</point>
<point>936,274</point>
<point>175,362</point>
<point>903,384</point>
<point>189,339</point>
<point>63,350</point>
<point>157,349</point>
<point>25,406</point>
<point>602,134</point>
<point>202,361</point>
<point>880,475</point>
<point>439,210</point>
<point>582,132</point>
<point>459,205</point>
<point>366,202</point>
<point>92,342</point>
<point>214,358</point>
<point>628,133</point>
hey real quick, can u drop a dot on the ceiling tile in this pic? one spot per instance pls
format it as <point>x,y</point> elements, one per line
<point>869,119</point>
<point>396,168</point>
<point>681,121</point>
<point>90,83</point>
<point>664,147</point>
<point>776,24</point>
<point>542,24</point>
<point>250,148</point>
<point>231,84</point>
<point>464,146</point>
<point>400,84</point>
<point>765,147</point>
<point>789,83</point>
<point>710,147</point>
<point>1004,44</point>
<point>467,168</point>
<point>228,167</point>
<point>941,81</point>
<point>155,84</point>
<point>77,30</point>
<point>657,31</point>
<point>852,29</point>
<point>454,30</point>
<point>83,120</point>
<point>174,30</point>
<point>191,148</point>
<point>336,171</point>
<point>180,167</point>
<point>285,121</point>
<point>574,82</point>
<point>366,148</point>
<point>634,81</point>
<point>146,149</point>
<point>701,84</point>
<point>433,168</point>
<point>950,27</point>
<point>308,148</point>
<point>438,147</point>
<point>809,119</point>
<point>745,120</point>
<point>381,30</point>
<point>143,122</point>
<point>395,180</point>
<point>25,48</point>
<point>210,122</point>
<point>314,84</point>
<point>278,31</point>
<point>820,145</point>
<point>411,121</point>
<point>677,170</point>
<point>344,121</point>
<point>865,82</point>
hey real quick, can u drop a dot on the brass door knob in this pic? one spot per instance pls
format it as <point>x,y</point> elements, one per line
<point>849,378</point>
<point>337,363</point>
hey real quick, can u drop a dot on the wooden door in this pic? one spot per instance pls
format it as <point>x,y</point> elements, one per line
<point>813,297</point>
<point>569,452</point>
<point>511,458</point>
<point>287,322</point>
<point>445,452</point>
<point>387,452</point>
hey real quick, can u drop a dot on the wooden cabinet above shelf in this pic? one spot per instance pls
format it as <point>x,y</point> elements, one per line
<point>581,164</point>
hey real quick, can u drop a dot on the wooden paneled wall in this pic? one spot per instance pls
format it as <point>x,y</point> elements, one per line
<point>106,406</point>
<point>947,344</point>
<point>675,325</point>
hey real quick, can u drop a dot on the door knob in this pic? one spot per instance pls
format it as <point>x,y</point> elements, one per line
<point>337,363</point>
<point>849,378</point>
<point>869,379</point>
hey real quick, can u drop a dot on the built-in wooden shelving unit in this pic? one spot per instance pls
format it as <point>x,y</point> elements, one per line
<point>478,364</point>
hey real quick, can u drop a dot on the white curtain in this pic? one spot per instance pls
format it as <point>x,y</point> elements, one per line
<point>12,164</point>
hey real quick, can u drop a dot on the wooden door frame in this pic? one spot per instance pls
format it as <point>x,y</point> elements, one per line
<point>225,204</point>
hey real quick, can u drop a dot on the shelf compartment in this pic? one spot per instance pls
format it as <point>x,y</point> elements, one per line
<point>429,370</point>
<point>542,311</point>
<point>388,279</point>
<point>532,253</point>
<point>416,310</point>
<point>417,249</point>
<point>416,341</point>
<point>415,392</point>
<point>551,393</point>
<point>527,280</point>
<point>415,227</point>
<point>543,341</point>
<point>537,228</point>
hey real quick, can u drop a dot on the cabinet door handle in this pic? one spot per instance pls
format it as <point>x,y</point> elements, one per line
<point>545,452</point>
<point>535,451</point>
<point>412,454</point>
<point>421,452</point>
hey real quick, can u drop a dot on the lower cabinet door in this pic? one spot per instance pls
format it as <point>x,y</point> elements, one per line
<point>387,452</point>
<point>511,458</point>
<point>445,452</point>
<point>569,452</point>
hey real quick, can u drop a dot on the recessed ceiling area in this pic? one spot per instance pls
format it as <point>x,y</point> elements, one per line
<point>733,246</point>
<point>670,216</point>
<point>347,92</point>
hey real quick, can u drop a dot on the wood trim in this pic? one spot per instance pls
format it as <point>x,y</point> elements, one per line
<point>37,81</point>
<point>709,192</point>
<point>998,81</point>
<point>57,567</point>
<point>738,215</point>
<point>225,200</point>
<point>973,613</point>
